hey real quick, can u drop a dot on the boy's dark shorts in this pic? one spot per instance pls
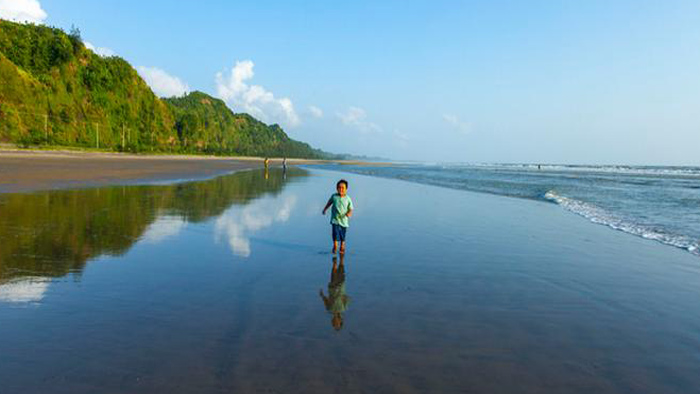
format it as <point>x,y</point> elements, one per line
<point>339,232</point>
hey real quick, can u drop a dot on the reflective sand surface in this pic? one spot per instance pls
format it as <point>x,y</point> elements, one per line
<point>228,286</point>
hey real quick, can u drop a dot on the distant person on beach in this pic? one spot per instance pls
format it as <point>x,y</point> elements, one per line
<point>340,214</point>
<point>337,301</point>
<point>266,162</point>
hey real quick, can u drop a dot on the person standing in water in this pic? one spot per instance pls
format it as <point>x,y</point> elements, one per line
<point>340,214</point>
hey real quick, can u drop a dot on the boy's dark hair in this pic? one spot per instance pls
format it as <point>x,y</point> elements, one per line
<point>342,181</point>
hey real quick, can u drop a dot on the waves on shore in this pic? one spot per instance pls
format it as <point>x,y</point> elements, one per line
<point>600,216</point>
<point>611,169</point>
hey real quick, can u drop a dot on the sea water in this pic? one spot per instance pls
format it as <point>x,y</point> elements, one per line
<point>653,202</point>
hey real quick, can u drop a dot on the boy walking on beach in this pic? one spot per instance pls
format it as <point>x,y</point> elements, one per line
<point>340,214</point>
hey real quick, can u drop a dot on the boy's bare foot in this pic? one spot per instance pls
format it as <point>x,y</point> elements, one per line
<point>335,249</point>
<point>342,249</point>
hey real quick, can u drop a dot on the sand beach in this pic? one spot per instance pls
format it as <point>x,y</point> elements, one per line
<point>24,170</point>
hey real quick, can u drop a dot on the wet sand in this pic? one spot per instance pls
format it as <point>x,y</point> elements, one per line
<point>218,286</point>
<point>26,171</point>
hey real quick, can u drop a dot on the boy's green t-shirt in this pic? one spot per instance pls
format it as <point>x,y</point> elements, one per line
<point>340,207</point>
<point>339,301</point>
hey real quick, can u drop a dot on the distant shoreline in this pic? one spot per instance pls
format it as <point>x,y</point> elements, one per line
<point>28,170</point>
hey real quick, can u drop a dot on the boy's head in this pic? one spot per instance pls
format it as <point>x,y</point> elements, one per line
<point>342,187</point>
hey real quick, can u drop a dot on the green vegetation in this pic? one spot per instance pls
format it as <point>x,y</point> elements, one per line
<point>205,123</point>
<point>57,232</point>
<point>55,91</point>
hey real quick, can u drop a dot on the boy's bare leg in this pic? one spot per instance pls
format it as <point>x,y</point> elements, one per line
<point>342,247</point>
<point>335,246</point>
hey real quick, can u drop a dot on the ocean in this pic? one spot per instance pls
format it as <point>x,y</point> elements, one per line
<point>658,203</point>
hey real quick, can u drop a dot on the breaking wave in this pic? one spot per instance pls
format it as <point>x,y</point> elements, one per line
<point>600,216</point>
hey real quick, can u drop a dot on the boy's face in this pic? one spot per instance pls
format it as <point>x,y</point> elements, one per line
<point>342,189</point>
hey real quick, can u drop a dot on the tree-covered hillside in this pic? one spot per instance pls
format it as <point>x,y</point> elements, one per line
<point>204,122</point>
<point>55,91</point>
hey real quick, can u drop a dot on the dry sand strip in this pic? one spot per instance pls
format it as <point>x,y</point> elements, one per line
<point>26,171</point>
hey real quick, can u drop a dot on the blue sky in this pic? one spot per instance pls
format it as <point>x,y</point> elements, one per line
<point>486,81</point>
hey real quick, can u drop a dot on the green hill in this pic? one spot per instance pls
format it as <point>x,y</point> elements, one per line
<point>204,122</point>
<point>55,91</point>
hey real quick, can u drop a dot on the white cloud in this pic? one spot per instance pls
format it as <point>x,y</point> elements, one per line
<point>162,83</point>
<point>23,11</point>
<point>254,99</point>
<point>163,228</point>
<point>237,225</point>
<point>457,124</point>
<point>24,290</point>
<point>357,118</point>
<point>316,112</point>
<point>353,116</point>
<point>102,51</point>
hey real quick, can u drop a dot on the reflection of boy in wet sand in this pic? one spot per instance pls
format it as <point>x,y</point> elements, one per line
<point>337,302</point>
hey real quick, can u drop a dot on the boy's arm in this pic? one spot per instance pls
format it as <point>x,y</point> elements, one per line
<point>326,300</point>
<point>350,208</point>
<point>328,204</point>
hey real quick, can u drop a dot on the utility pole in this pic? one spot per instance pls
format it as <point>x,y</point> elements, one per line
<point>123,137</point>
<point>46,127</point>
<point>97,135</point>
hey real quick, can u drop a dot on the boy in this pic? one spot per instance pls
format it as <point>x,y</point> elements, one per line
<point>341,212</point>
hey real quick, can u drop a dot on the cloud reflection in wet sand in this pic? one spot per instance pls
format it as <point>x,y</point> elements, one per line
<point>236,225</point>
<point>24,290</point>
<point>163,228</point>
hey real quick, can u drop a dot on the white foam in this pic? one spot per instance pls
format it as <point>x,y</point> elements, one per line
<point>600,216</point>
<point>693,172</point>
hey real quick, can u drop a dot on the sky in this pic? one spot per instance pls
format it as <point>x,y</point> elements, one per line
<point>579,82</point>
